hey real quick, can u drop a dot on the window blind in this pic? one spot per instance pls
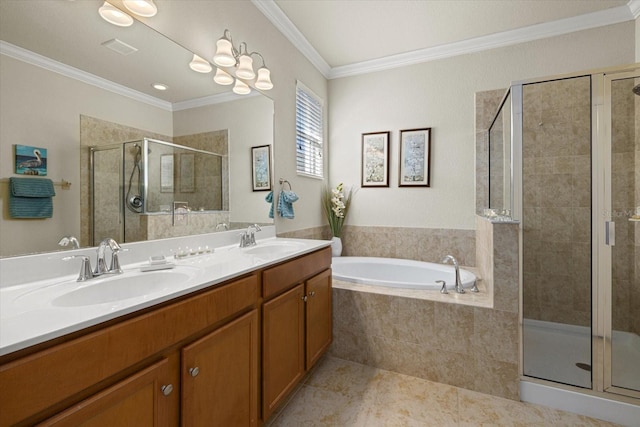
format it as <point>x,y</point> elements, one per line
<point>309,132</point>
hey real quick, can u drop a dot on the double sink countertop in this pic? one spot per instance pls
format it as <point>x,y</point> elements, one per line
<point>37,311</point>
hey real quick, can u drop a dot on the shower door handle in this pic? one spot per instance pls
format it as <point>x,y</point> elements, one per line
<point>610,233</point>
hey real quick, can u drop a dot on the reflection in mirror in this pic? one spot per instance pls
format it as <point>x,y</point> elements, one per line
<point>63,90</point>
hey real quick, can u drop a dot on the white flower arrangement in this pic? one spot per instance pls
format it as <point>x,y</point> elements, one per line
<point>336,207</point>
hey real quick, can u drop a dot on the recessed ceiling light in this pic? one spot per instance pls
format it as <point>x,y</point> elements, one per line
<point>160,86</point>
<point>114,16</point>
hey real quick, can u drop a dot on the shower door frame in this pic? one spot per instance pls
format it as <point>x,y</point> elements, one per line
<point>601,312</point>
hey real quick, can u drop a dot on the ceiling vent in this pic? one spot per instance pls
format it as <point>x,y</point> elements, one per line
<point>119,46</point>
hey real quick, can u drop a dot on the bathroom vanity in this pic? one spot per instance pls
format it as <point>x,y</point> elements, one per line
<point>225,354</point>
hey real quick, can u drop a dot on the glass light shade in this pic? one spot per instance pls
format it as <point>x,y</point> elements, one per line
<point>200,65</point>
<point>245,68</point>
<point>264,79</point>
<point>144,8</point>
<point>223,78</point>
<point>224,53</point>
<point>241,88</point>
<point>114,16</point>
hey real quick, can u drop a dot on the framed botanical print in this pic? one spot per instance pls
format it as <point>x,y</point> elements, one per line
<point>375,159</point>
<point>415,157</point>
<point>261,167</point>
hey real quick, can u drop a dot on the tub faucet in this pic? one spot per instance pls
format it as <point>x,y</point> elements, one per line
<point>458,286</point>
<point>101,263</point>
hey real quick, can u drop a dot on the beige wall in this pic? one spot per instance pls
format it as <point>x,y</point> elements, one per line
<point>440,95</point>
<point>42,109</point>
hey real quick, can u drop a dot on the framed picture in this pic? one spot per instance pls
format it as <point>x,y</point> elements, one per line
<point>30,160</point>
<point>415,156</point>
<point>261,167</point>
<point>375,159</point>
<point>187,173</point>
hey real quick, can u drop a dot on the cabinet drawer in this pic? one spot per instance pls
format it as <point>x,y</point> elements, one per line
<point>279,278</point>
<point>36,382</point>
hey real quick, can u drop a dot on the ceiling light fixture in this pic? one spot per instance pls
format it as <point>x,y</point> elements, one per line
<point>241,61</point>
<point>200,65</point>
<point>145,8</point>
<point>160,86</point>
<point>114,16</point>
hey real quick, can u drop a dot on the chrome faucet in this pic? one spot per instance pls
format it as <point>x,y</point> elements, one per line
<point>248,238</point>
<point>458,285</point>
<point>101,263</point>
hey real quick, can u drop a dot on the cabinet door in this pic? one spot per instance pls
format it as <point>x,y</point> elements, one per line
<point>220,376</point>
<point>139,401</point>
<point>319,315</point>
<point>282,347</point>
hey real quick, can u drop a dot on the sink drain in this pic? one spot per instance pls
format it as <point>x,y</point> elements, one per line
<point>584,366</point>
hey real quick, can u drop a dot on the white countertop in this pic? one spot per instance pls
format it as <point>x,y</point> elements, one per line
<point>28,316</point>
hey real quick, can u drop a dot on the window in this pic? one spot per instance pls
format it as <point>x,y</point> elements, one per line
<point>309,132</point>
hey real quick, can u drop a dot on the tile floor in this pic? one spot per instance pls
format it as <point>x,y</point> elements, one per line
<point>339,393</point>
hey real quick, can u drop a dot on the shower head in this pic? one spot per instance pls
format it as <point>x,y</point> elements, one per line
<point>636,89</point>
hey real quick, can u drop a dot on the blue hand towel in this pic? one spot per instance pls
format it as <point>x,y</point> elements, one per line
<point>269,200</point>
<point>285,204</point>
<point>31,197</point>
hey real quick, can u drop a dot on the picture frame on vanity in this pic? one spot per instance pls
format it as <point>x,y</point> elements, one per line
<point>375,159</point>
<point>415,157</point>
<point>261,168</point>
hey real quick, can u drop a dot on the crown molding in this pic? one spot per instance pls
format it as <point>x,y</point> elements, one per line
<point>278,18</point>
<point>41,61</point>
<point>211,100</point>
<point>587,21</point>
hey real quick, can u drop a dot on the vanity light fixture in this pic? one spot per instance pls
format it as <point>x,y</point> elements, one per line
<point>200,65</point>
<point>114,16</point>
<point>227,56</point>
<point>145,8</point>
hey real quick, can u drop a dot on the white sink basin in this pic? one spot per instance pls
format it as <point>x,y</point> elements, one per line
<point>109,288</point>
<point>275,248</point>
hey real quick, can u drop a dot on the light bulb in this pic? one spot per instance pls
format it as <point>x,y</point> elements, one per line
<point>264,79</point>
<point>241,88</point>
<point>223,78</point>
<point>245,68</point>
<point>200,65</point>
<point>224,53</point>
<point>114,16</point>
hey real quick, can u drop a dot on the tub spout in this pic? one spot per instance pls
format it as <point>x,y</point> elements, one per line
<point>458,285</point>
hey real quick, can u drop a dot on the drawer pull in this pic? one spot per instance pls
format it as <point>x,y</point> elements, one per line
<point>304,298</point>
<point>194,371</point>
<point>167,389</point>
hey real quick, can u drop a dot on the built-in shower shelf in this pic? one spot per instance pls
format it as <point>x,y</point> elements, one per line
<point>634,219</point>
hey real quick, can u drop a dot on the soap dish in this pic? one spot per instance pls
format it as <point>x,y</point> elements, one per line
<point>154,267</point>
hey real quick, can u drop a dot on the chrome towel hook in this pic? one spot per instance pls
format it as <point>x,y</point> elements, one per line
<point>284,181</point>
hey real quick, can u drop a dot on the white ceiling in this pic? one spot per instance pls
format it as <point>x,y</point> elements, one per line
<point>344,37</point>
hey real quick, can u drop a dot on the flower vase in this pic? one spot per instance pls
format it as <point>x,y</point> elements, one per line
<point>336,246</point>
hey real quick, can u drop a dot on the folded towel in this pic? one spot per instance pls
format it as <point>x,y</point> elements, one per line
<point>31,197</point>
<point>269,200</point>
<point>285,204</point>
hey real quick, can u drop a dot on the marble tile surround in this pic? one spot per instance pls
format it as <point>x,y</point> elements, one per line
<point>473,347</point>
<point>343,393</point>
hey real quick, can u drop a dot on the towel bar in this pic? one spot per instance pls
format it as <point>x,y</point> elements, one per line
<point>65,185</point>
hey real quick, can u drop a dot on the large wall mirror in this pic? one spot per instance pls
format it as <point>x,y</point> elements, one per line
<point>71,82</point>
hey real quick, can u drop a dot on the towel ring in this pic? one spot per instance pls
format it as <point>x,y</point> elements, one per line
<point>284,181</point>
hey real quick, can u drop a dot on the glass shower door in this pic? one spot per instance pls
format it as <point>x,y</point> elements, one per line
<point>622,373</point>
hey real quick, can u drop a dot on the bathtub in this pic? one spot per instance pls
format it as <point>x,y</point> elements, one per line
<point>398,273</point>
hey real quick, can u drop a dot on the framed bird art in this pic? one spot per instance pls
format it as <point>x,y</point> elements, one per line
<point>31,160</point>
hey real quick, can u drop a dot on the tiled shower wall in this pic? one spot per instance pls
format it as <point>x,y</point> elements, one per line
<point>636,225</point>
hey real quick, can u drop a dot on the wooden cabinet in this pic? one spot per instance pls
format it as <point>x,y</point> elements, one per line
<point>141,400</point>
<point>282,347</point>
<point>220,376</point>
<point>296,324</point>
<point>318,317</point>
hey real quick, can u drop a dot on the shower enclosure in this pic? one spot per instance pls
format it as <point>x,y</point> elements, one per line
<point>564,156</point>
<point>141,189</point>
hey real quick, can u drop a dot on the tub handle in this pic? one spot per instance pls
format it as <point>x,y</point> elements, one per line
<point>443,289</point>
